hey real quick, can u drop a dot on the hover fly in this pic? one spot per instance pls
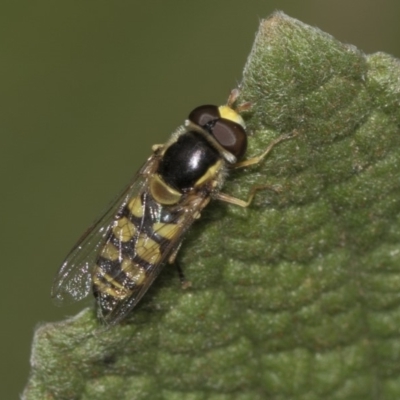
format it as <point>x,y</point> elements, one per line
<point>123,252</point>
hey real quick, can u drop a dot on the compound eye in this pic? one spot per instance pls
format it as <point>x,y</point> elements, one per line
<point>231,136</point>
<point>202,115</point>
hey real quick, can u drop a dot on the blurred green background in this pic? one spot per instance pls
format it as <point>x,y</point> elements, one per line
<point>86,88</point>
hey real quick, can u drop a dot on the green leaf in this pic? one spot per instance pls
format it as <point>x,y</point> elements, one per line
<point>296,297</point>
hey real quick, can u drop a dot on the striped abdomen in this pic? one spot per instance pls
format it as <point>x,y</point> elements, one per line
<point>140,237</point>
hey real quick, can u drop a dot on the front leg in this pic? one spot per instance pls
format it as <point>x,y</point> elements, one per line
<point>245,203</point>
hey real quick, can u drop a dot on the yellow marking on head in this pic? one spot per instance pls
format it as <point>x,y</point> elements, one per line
<point>229,113</point>
<point>167,231</point>
<point>110,287</point>
<point>210,174</point>
<point>135,207</point>
<point>110,252</point>
<point>148,250</point>
<point>124,230</point>
<point>134,272</point>
<point>163,193</point>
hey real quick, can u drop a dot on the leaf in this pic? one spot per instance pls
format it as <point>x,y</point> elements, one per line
<point>297,296</point>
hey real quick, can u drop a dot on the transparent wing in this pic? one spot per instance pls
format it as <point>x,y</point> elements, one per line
<point>73,280</point>
<point>181,218</point>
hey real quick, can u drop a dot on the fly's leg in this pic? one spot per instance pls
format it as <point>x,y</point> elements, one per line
<point>245,203</point>
<point>172,260</point>
<point>258,159</point>
<point>184,282</point>
<point>252,161</point>
<point>172,257</point>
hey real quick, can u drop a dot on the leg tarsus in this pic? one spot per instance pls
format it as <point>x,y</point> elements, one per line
<point>184,283</point>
